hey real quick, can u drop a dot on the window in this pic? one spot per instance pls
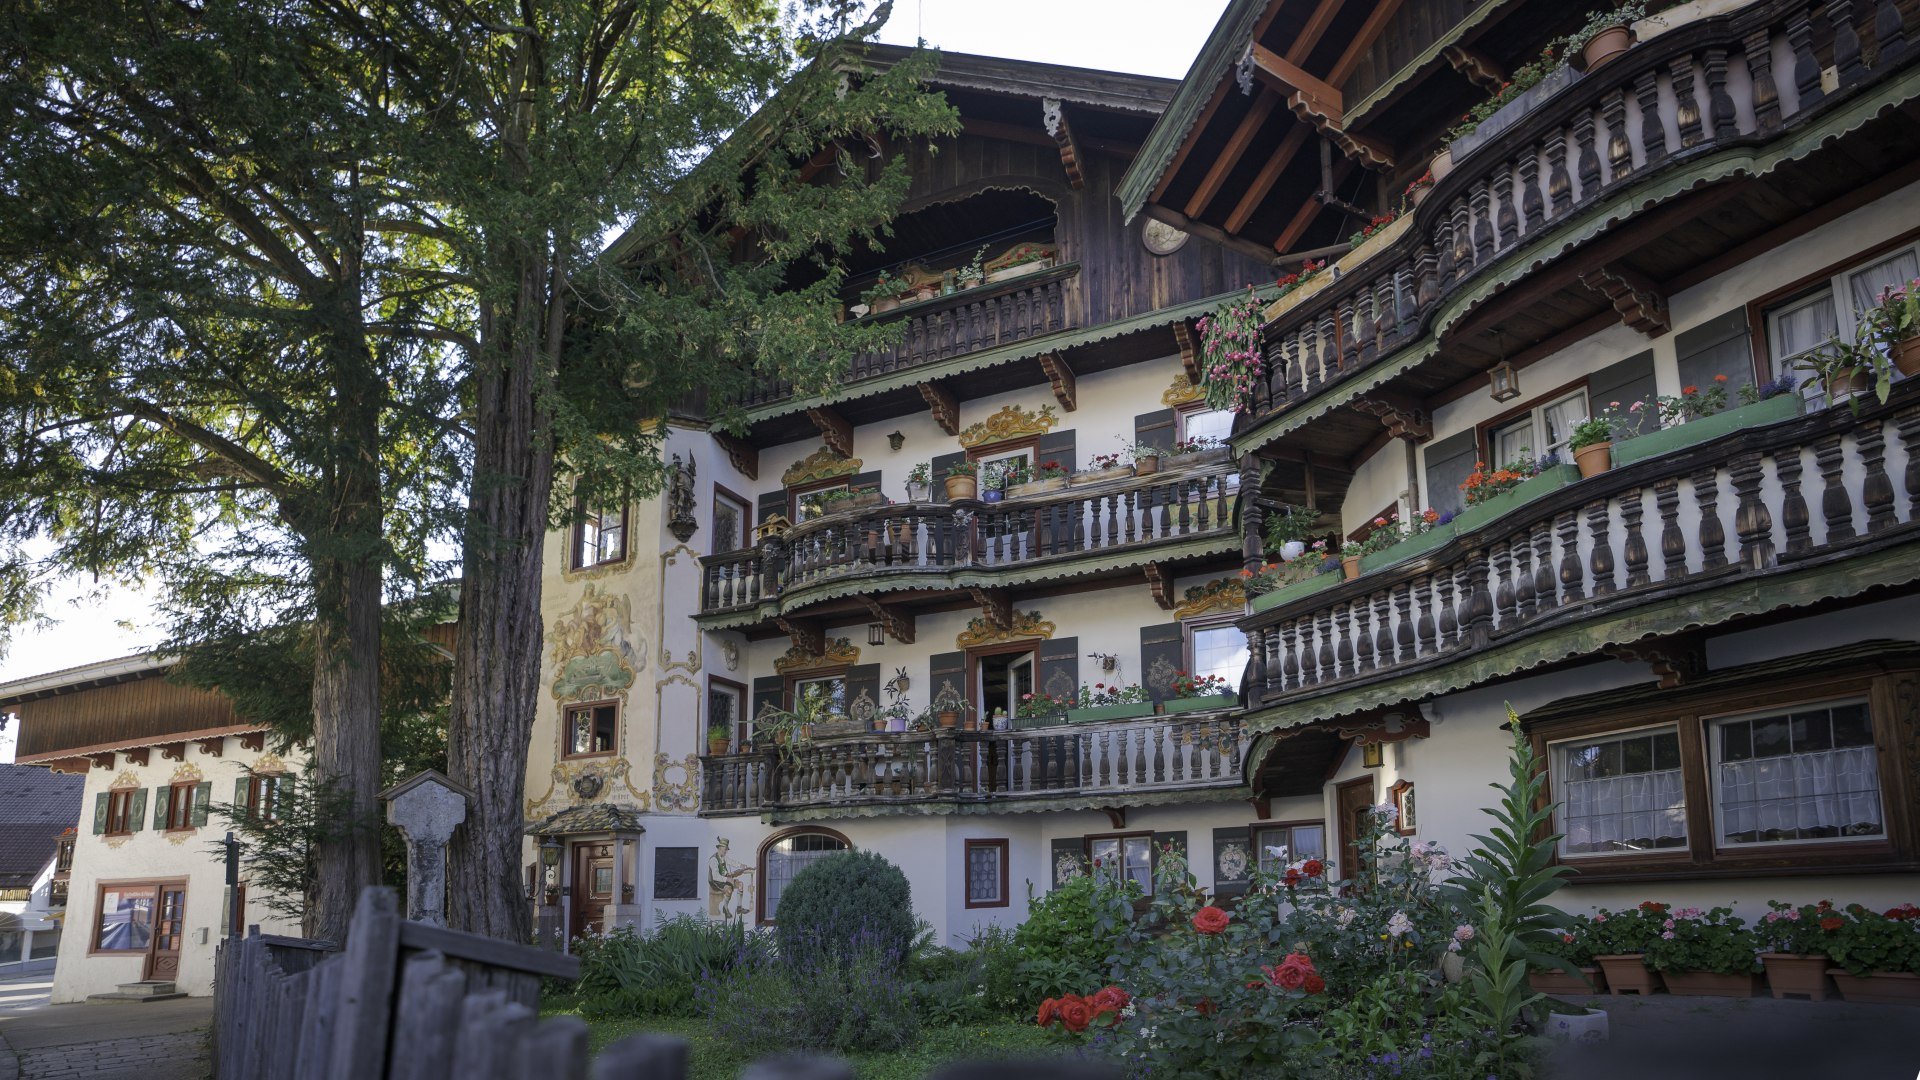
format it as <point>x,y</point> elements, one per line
<point>1003,681</point>
<point>803,503</point>
<point>125,920</point>
<point>600,538</point>
<point>120,812</point>
<point>727,708</point>
<point>1205,424</point>
<point>264,792</point>
<point>180,807</point>
<point>1832,308</point>
<point>1544,429</point>
<point>1124,858</point>
<point>1022,456</point>
<point>1810,774</point>
<point>831,687</point>
<point>63,856</point>
<point>1217,650</point>
<point>1622,793</point>
<point>986,873</point>
<point>591,729</point>
<point>732,521</point>
<point>786,856</point>
<point>1277,846</point>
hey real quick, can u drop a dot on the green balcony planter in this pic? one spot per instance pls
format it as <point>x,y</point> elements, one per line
<point>1030,723</point>
<point>1109,712</point>
<point>1296,590</point>
<point>1500,506</point>
<point>1668,439</point>
<point>1409,548</point>
<point>1198,704</point>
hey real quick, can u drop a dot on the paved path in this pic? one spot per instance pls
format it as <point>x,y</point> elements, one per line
<point>1686,1038</point>
<point>165,1040</point>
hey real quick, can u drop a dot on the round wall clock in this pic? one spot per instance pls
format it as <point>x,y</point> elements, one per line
<point>1162,238</point>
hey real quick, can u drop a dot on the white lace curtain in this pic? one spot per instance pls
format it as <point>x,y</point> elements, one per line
<point>1835,790</point>
<point>1626,813</point>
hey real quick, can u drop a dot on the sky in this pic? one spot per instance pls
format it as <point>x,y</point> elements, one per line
<point>1143,37</point>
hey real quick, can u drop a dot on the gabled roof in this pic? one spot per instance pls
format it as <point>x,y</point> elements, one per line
<point>1033,79</point>
<point>82,677</point>
<point>36,806</point>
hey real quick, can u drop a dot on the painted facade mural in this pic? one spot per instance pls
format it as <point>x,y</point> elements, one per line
<point>595,650</point>
<point>729,884</point>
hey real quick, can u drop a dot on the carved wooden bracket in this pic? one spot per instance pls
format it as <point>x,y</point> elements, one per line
<point>1479,70</point>
<point>995,604</point>
<point>1641,303</point>
<point>1189,345</point>
<point>1366,152</point>
<point>1061,376</point>
<point>1262,807</point>
<point>213,747</point>
<point>1673,660</point>
<point>1053,113</point>
<point>1116,815</point>
<point>896,621</point>
<point>1160,582</point>
<point>807,635</point>
<point>254,740</point>
<point>174,751</point>
<point>138,755</point>
<point>102,761</point>
<point>835,430</point>
<point>1404,417</point>
<point>1384,727</point>
<point>946,411</point>
<point>744,458</point>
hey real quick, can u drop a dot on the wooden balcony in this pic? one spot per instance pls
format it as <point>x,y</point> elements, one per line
<point>1793,515</point>
<point>971,321</point>
<point>935,545</point>
<point>1563,196</point>
<point>1106,763</point>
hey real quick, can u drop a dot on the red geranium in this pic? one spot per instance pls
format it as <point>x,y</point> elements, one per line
<point>1832,922</point>
<point>1075,1014</point>
<point>1291,879</point>
<point>1904,912</point>
<point>1653,906</point>
<point>1210,920</point>
<point>1205,1007</point>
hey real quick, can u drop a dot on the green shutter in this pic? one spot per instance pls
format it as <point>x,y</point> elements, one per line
<point>1155,429</point>
<point>1233,860</point>
<point>162,801</point>
<point>1449,463</point>
<point>1719,346</point>
<point>1059,667</point>
<point>241,788</point>
<point>137,813</point>
<point>947,672</point>
<point>202,801</point>
<point>1163,655</point>
<point>100,812</point>
<point>1626,382</point>
<point>1057,446</point>
<point>1068,860</point>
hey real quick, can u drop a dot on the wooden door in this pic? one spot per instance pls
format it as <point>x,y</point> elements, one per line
<point>1353,800</point>
<point>592,886</point>
<point>169,922</point>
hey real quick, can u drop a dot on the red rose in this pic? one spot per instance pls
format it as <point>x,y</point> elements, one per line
<point>1292,879</point>
<point>1290,977</point>
<point>1832,922</point>
<point>1076,1014</point>
<point>1314,984</point>
<point>1313,868</point>
<point>1205,1007</point>
<point>1049,1012</point>
<point>1110,999</point>
<point>1210,920</point>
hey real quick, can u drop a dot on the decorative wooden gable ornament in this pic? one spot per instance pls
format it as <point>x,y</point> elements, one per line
<point>980,631</point>
<point>1220,594</point>
<point>1182,392</point>
<point>1011,422</point>
<point>823,464</point>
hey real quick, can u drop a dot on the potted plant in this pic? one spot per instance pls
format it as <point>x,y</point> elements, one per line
<point>1442,162</point>
<point>865,497</point>
<point>1351,553</point>
<point>1419,189</point>
<point>1146,458</point>
<point>1282,583</point>
<point>1203,450</point>
<point>948,706</point>
<point>1041,710</point>
<point>1046,476</point>
<point>1876,956</point>
<point>1894,323</point>
<point>1102,467</point>
<point>996,475</point>
<point>884,295</point>
<point>973,273</point>
<point>1192,693</point>
<point>1580,975</point>
<point>1795,949</point>
<point>920,482</point>
<point>1115,702</point>
<point>718,740</point>
<point>1592,440</point>
<point>1846,370</point>
<point>962,480</point>
<point>1232,366</point>
<point>1381,535</point>
<point>1020,260</point>
<point>1619,940</point>
<point>1608,33</point>
<point>1706,954</point>
<point>1289,528</point>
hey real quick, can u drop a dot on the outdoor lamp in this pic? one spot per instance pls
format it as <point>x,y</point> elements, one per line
<point>550,859</point>
<point>1503,382</point>
<point>876,634</point>
<point>1372,755</point>
<point>896,440</point>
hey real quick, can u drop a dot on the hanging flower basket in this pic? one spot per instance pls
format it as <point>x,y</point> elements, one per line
<point>1230,362</point>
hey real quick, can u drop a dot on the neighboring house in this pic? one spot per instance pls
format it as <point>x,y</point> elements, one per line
<point>146,893</point>
<point>1715,646</point>
<point>37,814</point>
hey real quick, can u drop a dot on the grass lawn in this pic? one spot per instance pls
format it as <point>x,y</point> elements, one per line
<point>938,1046</point>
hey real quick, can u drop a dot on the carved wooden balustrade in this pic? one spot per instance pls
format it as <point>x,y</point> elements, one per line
<point>985,317</point>
<point>1154,753</point>
<point>1692,92</point>
<point>1180,504</point>
<point>1763,503</point>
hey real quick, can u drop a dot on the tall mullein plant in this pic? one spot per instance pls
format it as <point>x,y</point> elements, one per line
<point>1510,875</point>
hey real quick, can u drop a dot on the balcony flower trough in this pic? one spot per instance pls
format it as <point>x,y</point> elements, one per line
<point>1411,547</point>
<point>1044,720</point>
<point>1668,439</point>
<point>1372,246</point>
<point>1199,704</point>
<point>1550,480</point>
<point>1510,114</point>
<point>1288,594</point>
<point>1125,711</point>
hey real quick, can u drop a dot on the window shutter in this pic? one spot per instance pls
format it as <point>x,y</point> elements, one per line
<point>947,670</point>
<point>1056,446</point>
<point>1163,651</point>
<point>937,473</point>
<point>1719,346</point>
<point>1449,463</point>
<point>202,802</point>
<point>1067,860</point>
<point>100,812</point>
<point>771,503</point>
<point>1233,861</point>
<point>241,789</point>
<point>863,681</point>
<point>1058,673</point>
<point>769,691</point>
<point>1155,429</point>
<point>1626,382</point>
<point>137,811</point>
<point>161,803</point>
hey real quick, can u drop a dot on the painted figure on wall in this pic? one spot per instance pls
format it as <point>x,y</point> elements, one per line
<point>593,648</point>
<point>729,884</point>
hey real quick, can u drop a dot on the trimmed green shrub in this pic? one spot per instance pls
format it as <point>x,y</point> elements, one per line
<point>848,903</point>
<point>1068,941</point>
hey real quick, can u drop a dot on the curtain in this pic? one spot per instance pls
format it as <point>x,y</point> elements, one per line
<point>1824,792</point>
<point>1626,813</point>
<point>1804,327</point>
<point>1866,284</point>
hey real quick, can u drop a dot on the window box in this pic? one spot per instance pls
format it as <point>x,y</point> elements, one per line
<point>1036,487</point>
<point>1029,723</point>
<point>1295,591</point>
<point>1510,113</point>
<point>1197,704</point>
<point>1880,987</point>
<point>1314,287</point>
<point>1668,439</point>
<point>1098,476</point>
<point>1199,459</point>
<point>1499,506</point>
<point>1373,245</point>
<point>1408,548</point>
<point>1109,712</point>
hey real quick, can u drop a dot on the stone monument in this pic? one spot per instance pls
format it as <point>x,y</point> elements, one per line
<point>426,808</point>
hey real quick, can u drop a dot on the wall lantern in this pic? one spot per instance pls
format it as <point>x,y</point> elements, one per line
<point>1373,754</point>
<point>550,859</point>
<point>896,440</point>
<point>876,634</point>
<point>1503,381</point>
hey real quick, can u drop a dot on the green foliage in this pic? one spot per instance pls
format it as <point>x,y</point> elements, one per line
<point>822,1001</point>
<point>1498,978</point>
<point>1629,931</point>
<point>846,903</point>
<point>978,984</point>
<point>1514,862</point>
<point>1865,941</point>
<point>1717,941</point>
<point>278,856</point>
<point>625,973</point>
<point>1067,944</point>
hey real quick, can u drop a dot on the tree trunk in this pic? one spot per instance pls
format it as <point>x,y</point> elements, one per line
<point>346,735</point>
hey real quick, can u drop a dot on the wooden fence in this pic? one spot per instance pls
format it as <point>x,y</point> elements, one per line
<point>407,1001</point>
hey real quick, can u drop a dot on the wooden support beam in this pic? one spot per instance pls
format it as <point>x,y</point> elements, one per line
<point>995,604</point>
<point>1206,232</point>
<point>1250,126</point>
<point>997,129</point>
<point>1268,175</point>
<point>1362,41</point>
<point>102,761</point>
<point>1480,70</point>
<point>1293,81</point>
<point>1160,583</point>
<point>1193,134</point>
<point>745,459</point>
<point>174,751</point>
<point>1641,302</point>
<point>1674,660</point>
<point>1053,115</point>
<point>835,430</point>
<point>75,766</point>
<point>1188,343</point>
<point>808,635</point>
<point>1116,816</point>
<point>1405,417</point>
<point>214,747</point>
<point>254,740</point>
<point>1303,217</point>
<point>138,755</point>
<point>946,411</point>
<point>895,621</point>
<point>1061,377</point>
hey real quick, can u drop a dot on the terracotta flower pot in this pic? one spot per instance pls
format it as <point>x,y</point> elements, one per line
<point>1797,973</point>
<point>1606,45</point>
<point>1594,458</point>
<point>1850,383</point>
<point>1879,987</point>
<point>1590,980</point>
<point>962,487</point>
<point>949,719</point>
<point>1906,356</point>
<point>1351,564</point>
<point>1420,192</point>
<point>1144,466</point>
<point>1628,973</point>
<point>1709,984</point>
<point>716,747</point>
<point>1442,164</point>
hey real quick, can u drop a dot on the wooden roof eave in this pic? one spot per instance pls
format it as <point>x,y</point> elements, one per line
<point>121,745</point>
